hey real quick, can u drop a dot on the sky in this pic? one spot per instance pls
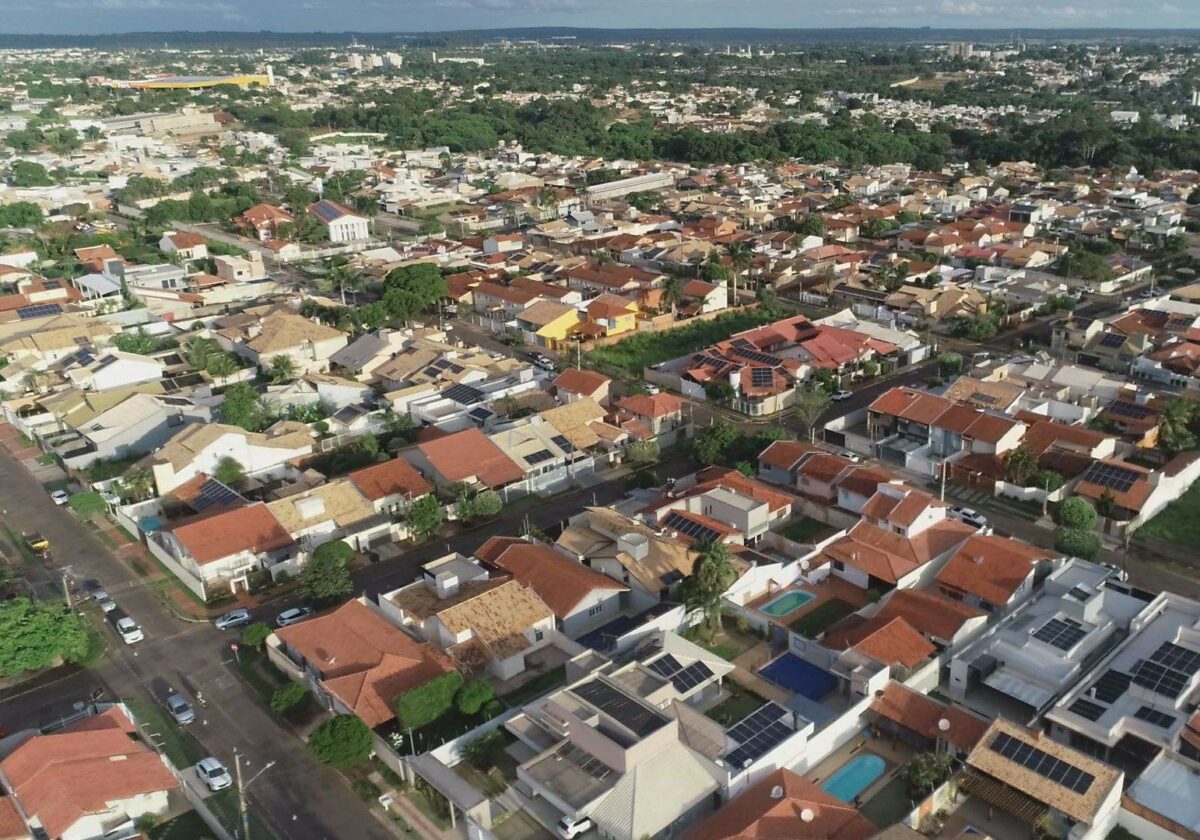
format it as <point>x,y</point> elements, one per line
<point>101,16</point>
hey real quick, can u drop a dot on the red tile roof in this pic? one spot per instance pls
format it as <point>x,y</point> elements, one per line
<point>647,405</point>
<point>713,477</point>
<point>891,641</point>
<point>63,777</point>
<point>583,382</point>
<point>251,528</point>
<point>562,583</point>
<point>363,660</point>
<point>931,613</point>
<point>468,453</point>
<point>920,714</point>
<point>991,568</point>
<point>394,477</point>
<point>889,556</point>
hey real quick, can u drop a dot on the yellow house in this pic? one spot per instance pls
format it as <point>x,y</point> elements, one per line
<point>548,323</point>
<point>610,314</point>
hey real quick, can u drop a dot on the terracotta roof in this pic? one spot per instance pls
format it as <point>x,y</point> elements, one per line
<point>583,382</point>
<point>560,582</point>
<point>12,824</point>
<point>931,613</point>
<point>712,477</point>
<point>785,453</point>
<point>62,777</point>
<point>758,814</point>
<point>889,556</point>
<point>393,477</point>
<point>363,660</point>
<point>991,568</point>
<point>251,528</point>
<point>891,641</point>
<point>468,453</point>
<point>495,546</point>
<point>646,405</point>
<point>187,240</point>
<point>920,714</point>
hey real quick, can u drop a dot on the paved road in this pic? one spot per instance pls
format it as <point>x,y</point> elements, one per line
<point>297,798</point>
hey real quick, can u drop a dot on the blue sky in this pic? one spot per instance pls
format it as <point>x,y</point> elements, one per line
<point>97,16</point>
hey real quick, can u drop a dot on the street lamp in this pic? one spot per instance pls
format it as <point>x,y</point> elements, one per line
<point>245,815</point>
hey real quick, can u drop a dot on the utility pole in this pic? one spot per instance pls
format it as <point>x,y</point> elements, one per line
<point>237,765</point>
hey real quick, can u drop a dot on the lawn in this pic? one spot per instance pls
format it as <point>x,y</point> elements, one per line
<point>187,826</point>
<point>821,617</point>
<point>729,643</point>
<point>631,355</point>
<point>45,460</point>
<point>536,687</point>
<point>1179,523</point>
<point>225,805</point>
<point>181,748</point>
<point>85,504</point>
<point>890,804</point>
<point>739,704</point>
<point>803,529</point>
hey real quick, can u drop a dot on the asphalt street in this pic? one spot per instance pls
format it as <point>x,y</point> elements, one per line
<point>297,798</point>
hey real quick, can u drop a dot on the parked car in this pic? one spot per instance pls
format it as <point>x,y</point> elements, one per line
<point>853,457</point>
<point>36,542</point>
<point>569,827</point>
<point>213,774</point>
<point>838,396</point>
<point>652,389</point>
<point>233,618</point>
<point>107,604</point>
<point>180,709</point>
<point>969,516</point>
<point>60,497</point>
<point>126,628</point>
<point>293,616</point>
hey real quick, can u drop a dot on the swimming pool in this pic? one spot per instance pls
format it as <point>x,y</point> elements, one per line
<point>855,776</point>
<point>800,676</point>
<point>786,603</point>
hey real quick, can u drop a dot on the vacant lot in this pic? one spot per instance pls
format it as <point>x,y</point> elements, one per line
<point>1179,523</point>
<point>630,356</point>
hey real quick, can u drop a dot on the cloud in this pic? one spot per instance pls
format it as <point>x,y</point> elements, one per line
<point>963,7</point>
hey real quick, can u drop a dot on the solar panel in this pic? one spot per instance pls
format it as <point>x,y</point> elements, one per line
<point>665,666</point>
<point>480,414</point>
<point>1155,717</point>
<point>464,394</point>
<point>39,311</point>
<point>691,528</point>
<point>1131,410</point>
<point>1160,679</point>
<point>441,364</point>
<point>213,492</point>
<point>455,368</point>
<point>562,443</point>
<point>691,676</point>
<point>105,362</point>
<point>1177,657</point>
<point>1062,633</point>
<point>539,456</point>
<point>757,733</point>
<point>1079,594</point>
<point>1111,685</point>
<point>631,714</point>
<point>761,377</point>
<point>1118,479</point>
<point>761,358</point>
<point>1055,769</point>
<point>1087,709</point>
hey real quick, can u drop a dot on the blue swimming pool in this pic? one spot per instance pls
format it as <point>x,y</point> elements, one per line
<point>786,603</point>
<point>855,776</point>
<point>801,677</point>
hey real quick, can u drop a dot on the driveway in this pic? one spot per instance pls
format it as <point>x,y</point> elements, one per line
<point>297,798</point>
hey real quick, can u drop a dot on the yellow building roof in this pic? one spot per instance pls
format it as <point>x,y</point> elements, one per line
<point>338,500</point>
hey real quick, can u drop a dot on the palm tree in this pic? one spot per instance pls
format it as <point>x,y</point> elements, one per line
<point>221,366</point>
<point>672,291</point>
<point>345,277</point>
<point>283,369</point>
<point>197,351</point>
<point>739,256</point>
<point>711,576</point>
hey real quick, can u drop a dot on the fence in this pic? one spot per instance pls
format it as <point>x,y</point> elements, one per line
<point>939,800</point>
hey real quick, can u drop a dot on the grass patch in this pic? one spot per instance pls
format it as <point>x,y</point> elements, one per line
<point>225,805</point>
<point>889,805</point>
<point>536,687</point>
<point>629,356</point>
<point>183,750</point>
<point>85,504</point>
<point>1179,522</point>
<point>256,670</point>
<point>803,530</point>
<point>729,644</point>
<point>97,646</point>
<point>105,538</point>
<point>187,826</point>
<point>46,460</point>
<point>739,704</point>
<point>130,538</point>
<point>820,618</point>
<point>425,803</point>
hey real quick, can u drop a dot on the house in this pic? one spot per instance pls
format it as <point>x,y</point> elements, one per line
<point>113,369</point>
<point>1025,773</point>
<point>308,344</point>
<point>701,297</point>
<point>648,416</point>
<point>392,486</point>
<point>480,621</point>
<point>88,779</point>
<point>943,621</point>
<point>247,269</point>
<point>582,599</point>
<point>608,314</point>
<point>331,511</point>
<point>783,806</point>
<point>200,448</point>
<point>355,661</point>
<point>467,456</point>
<point>991,572</point>
<point>189,246</point>
<point>721,496</point>
<point>548,323</point>
<point>889,641</point>
<point>265,220</point>
<point>574,383</point>
<point>138,424</point>
<point>362,356</point>
<point>214,553</point>
<point>918,719</point>
<point>342,223</point>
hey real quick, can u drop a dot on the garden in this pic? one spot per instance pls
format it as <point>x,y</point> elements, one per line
<point>733,639</point>
<point>821,617</point>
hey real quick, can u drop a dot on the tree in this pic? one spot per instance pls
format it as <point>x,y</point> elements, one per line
<point>950,363</point>
<point>1075,512</point>
<point>135,484</point>
<point>411,289</point>
<point>642,452</point>
<point>341,741</point>
<point>1175,433</point>
<point>768,302</point>
<point>719,391</point>
<point>288,699</point>
<point>809,404</point>
<point>704,588</point>
<point>36,634</point>
<point>488,503</point>
<point>241,407</point>
<point>425,517</point>
<point>926,772</point>
<point>711,445</point>
<point>1076,542</point>
<point>229,470</point>
<point>139,341</point>
<point>325,577</point>
<point>810,226</point>
<point>197,351</point>
<point>1020,464</point>
<point>422,705</point>
<point>672,291</point>
<point>473,696</point>
<point>221,366</point>
<point>255,634</point>
<point>283,369</point>
<point>740,258</point>
<point>345,276</point>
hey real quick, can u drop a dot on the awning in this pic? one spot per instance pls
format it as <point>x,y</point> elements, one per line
<point>1014,685</point>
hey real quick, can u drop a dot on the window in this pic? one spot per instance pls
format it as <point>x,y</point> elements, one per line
<point>596,610</point>
<point>839,566</point>
<point>538,634</point>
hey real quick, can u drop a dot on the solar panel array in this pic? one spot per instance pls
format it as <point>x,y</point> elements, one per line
<point>539,456</point>
<point>480,414</point>
<point>1118,479</point>
<point>464,394</point>
<point>1155,717</point>
<point>691,528</point>
<point>1112,340</point>
<point>757,734</point>
<point>1168,670</point>
<point>1062,633</point>
<point>41,310</point>
<point>447,365</point>
<point>1128,409</point>
<point>1045,765</point>
<point>212,493</point>
<point>691,676</point>
<point>631,714</point>
<point>81,357</point>
<point>748,351</point>
<point>562,443</point>
<point>1087,709</point>
<point>1178,657</point>
<point>665,666</point>
<point>1111,685</point>
<point>761,377</point>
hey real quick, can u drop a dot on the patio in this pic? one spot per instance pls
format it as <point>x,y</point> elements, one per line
<point>536,664</point>
<point>824,591</point>
<point>889,788</point>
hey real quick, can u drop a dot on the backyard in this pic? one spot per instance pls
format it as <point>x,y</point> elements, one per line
<point>890,804</point>
<point>630,356</point>
<point>821,617</point>
<point>729,643</point>
<point>740,703</point>
<point>804,529</point>
<point>1179,522</point>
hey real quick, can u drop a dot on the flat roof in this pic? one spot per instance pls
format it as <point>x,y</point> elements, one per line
<point>635,716</point>
<point>1171,787</point>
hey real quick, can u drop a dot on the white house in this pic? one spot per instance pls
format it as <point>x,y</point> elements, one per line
<point>115,369</point>
<point>343,224</point>
<point>199,449</point>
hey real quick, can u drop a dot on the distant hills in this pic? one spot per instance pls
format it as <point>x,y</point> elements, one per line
<point>707,37</point>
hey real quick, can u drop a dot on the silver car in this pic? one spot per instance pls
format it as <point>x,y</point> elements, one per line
<point>233,618</point>
<point>180,709</point>
<point>213,774</point>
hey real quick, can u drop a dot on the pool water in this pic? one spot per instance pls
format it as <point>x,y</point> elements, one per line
<point>786,603</point>
<point>855,776</point>
<point>800,677</point>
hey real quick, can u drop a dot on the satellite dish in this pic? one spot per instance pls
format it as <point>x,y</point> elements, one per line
<point>777,792</point>
<point>808,815</point>
<point>944,725</point>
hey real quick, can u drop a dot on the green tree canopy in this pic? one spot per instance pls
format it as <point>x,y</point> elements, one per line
<point>255,634</point>
<point>1076,512</point>
<point>36,634</point>
<point>229,470</point>
<point>341,741</point>
<point>704,588</point>
<point>427,702</point>
<point>473,696</point>
<point>425,517</point>
<point>241,407</point>
<point>325,577</point>
<point>1076,542</point>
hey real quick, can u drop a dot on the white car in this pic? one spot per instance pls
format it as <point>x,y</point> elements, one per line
<point>106,603</point>
<point>213,774</point>
<point>60,497</point>
<point>569,827</point>
<point>969,516</point>
<point>652,389</point>
<point>838,396</point>
<point>129,630</point>
<point>853,457</point>
<point>293,616</point>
